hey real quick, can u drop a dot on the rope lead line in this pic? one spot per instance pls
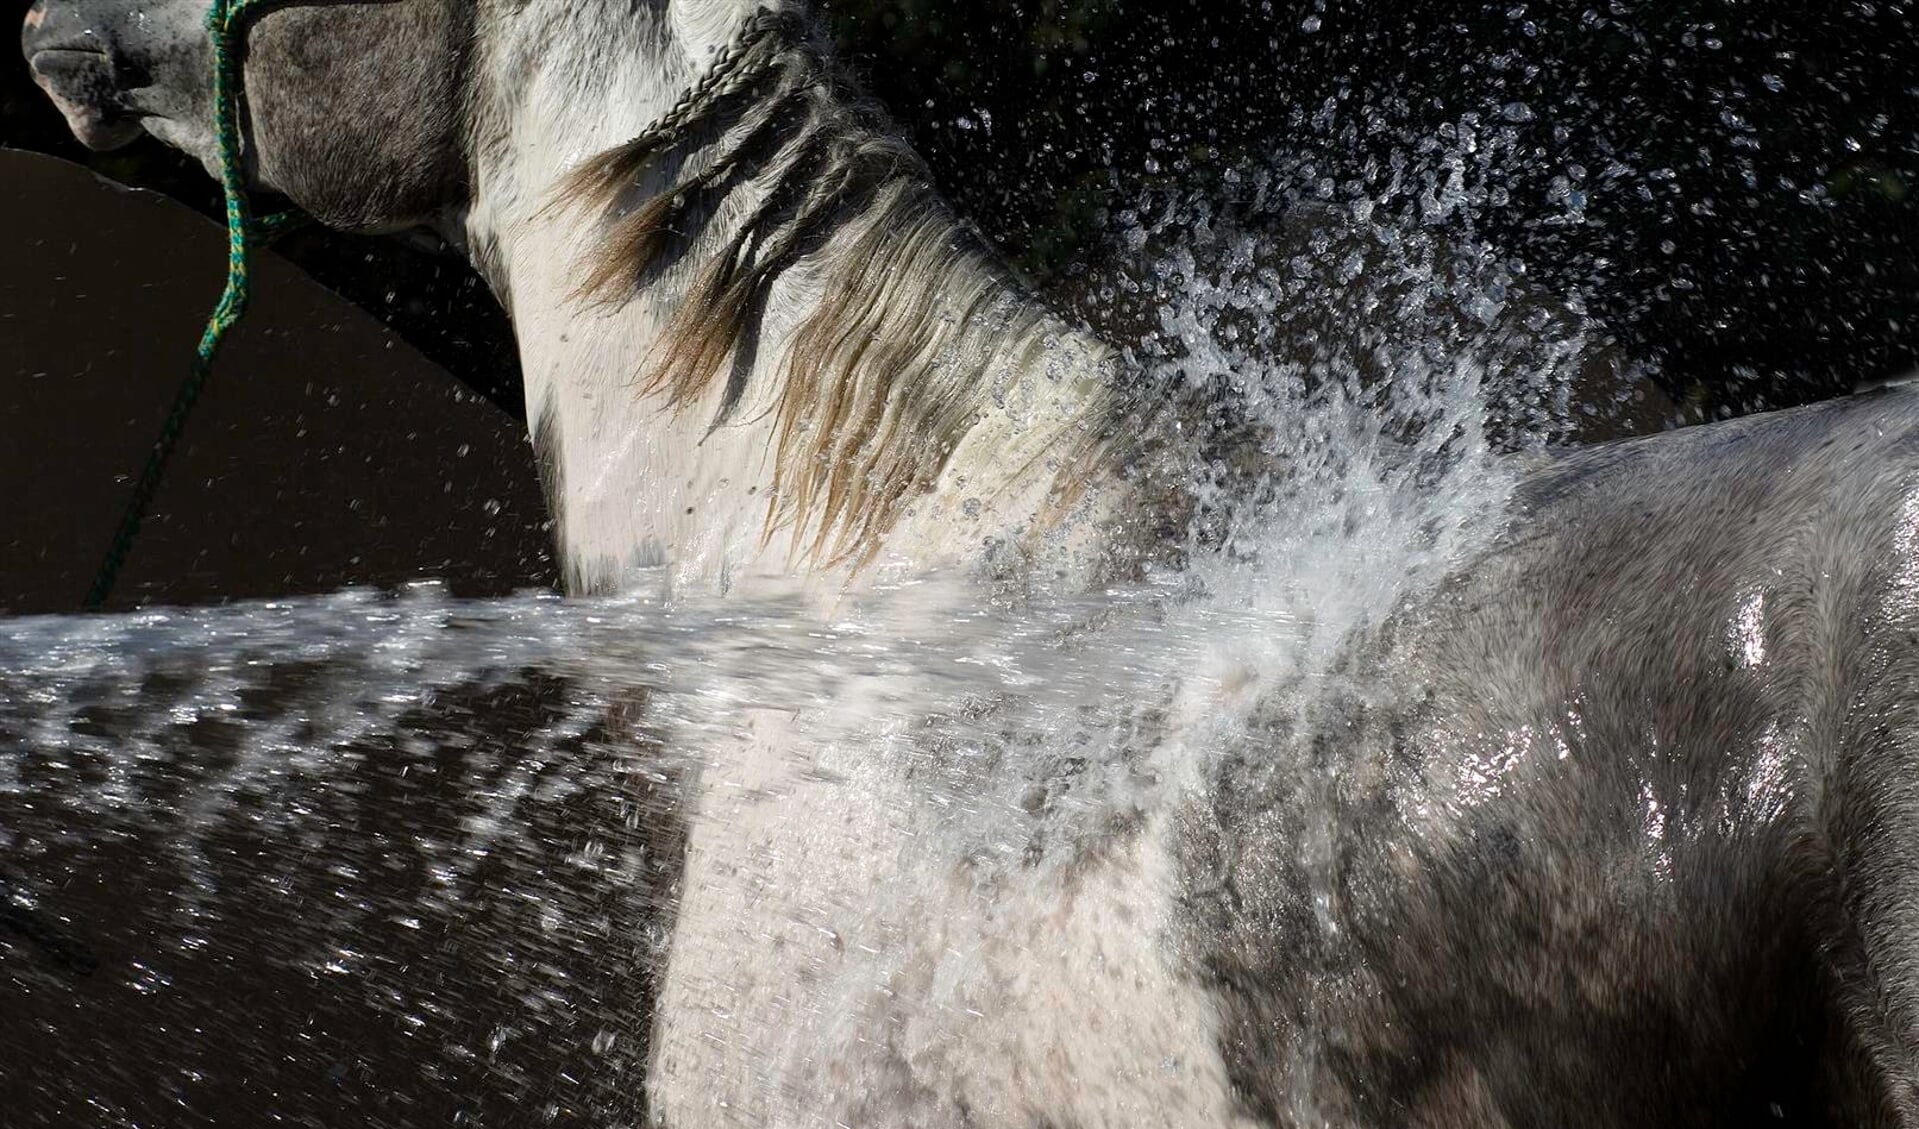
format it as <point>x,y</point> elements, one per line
<point>226,28</point>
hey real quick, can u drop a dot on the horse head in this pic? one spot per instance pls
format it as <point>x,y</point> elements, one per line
<point>369,114</point>
<point>681,204</point>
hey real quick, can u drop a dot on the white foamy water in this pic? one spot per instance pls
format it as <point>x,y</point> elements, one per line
<point>412,860</point>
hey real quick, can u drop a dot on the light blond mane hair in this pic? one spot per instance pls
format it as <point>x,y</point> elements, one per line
<point>883,379</point>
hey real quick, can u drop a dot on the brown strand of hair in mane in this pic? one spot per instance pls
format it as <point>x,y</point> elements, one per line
<point>638,237</point>
<point>712,320</point>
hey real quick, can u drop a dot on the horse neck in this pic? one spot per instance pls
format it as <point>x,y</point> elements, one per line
<point>820,374</point>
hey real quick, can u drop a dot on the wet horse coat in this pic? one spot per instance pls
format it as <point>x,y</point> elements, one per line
<point>1629,841</point>
<point>1633,843</point>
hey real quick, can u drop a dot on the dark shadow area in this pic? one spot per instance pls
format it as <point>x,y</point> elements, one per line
<point>1730,184</point>
<point>325,452</point>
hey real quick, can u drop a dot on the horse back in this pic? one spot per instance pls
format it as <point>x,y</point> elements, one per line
<point>1632,837</point>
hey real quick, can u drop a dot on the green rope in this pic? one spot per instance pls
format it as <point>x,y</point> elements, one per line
<point>226,26</point>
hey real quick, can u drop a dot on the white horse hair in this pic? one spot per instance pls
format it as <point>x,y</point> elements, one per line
<point>782,329</point>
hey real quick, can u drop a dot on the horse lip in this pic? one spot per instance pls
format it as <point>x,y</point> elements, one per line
<point>33,60</point>
<point>79,80</point>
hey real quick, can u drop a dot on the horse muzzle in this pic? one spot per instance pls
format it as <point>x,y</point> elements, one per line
<point>83,76</point>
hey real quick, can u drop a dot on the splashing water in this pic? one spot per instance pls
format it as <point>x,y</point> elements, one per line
<point>409,860</point>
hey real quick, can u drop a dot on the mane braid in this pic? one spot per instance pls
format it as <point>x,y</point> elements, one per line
<point>883,380</point>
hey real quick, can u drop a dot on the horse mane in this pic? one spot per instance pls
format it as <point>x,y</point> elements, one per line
<point>883,379</point>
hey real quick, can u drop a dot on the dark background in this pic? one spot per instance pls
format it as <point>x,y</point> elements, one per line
<point>325,453</point>
<point>1747,167</point>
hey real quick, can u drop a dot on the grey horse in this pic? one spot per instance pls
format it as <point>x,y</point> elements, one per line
<point>1633,844</point>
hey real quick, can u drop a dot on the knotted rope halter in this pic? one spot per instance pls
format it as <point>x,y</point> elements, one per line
<point>226,27</point>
